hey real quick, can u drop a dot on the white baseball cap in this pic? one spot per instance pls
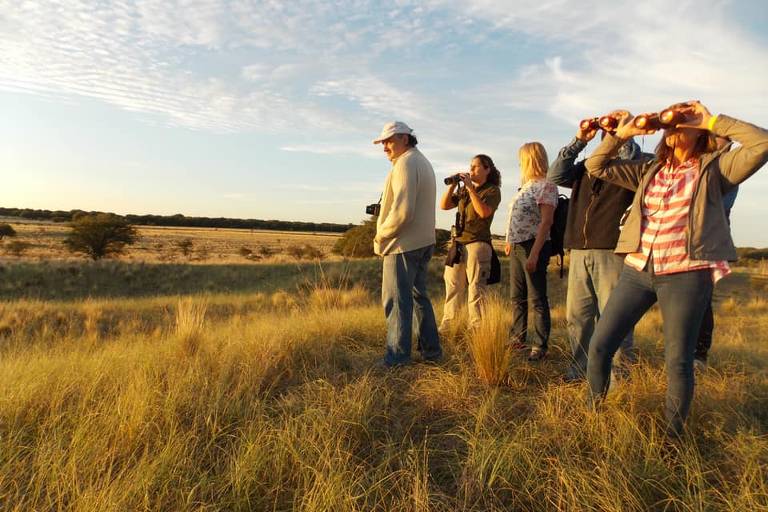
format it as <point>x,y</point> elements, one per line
<point>393,128</point>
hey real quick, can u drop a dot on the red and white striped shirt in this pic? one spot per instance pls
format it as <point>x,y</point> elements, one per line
<point>665,208</point>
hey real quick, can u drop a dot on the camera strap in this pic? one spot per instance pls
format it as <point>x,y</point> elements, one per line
<point>460,217</point>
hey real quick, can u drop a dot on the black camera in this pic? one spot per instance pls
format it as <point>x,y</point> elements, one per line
<point>452,180</point>
<point>373,209</point>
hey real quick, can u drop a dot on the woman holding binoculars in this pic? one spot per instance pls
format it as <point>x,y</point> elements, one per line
<point>531,213</point>
<point>676,238</point>
<point>477,195</point>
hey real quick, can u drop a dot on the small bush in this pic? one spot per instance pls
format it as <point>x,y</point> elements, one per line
<point>248,254</point>
<point>266,251</point>
<point>357,242</point>
<point>295,250</point>
<point>203,252</point>
<point>6,230</point>
<point>312,253</point>
<point>305,251</point>
<point>17,247</point>
<point>185,246</point>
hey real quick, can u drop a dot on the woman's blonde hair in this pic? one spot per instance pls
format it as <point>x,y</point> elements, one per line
<point>533,161</point>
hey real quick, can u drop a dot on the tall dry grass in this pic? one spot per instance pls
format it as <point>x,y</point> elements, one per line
<point>280,408</point>
<point>489,342</point>
<point>190,320</point>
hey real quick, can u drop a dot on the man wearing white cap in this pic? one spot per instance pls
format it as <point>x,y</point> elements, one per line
<point>405,237</point>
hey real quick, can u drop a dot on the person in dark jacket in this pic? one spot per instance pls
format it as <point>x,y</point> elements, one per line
<point>592,229</point>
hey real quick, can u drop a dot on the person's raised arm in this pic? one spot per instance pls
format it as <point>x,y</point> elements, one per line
<point>602,164</point>
<point>483,210</point>
<point>448,201</point>
<point>742,162</point>
<point>564,171</point>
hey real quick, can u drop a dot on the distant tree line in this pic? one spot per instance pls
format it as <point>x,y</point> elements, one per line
<point>180,220</point>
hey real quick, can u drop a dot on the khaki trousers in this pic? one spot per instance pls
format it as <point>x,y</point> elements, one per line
<point>466,282</point>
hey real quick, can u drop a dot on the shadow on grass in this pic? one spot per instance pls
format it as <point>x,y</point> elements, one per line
<point>50,280</point>
<point>62,280</point>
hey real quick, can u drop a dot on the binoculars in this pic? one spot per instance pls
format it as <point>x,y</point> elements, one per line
<point>589,124</point>
<point>607,123</point>
<point>455,179</point>
<point>668,118</point>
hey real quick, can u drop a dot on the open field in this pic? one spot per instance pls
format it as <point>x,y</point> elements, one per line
<point>159,244</point>
<point>151,386</point>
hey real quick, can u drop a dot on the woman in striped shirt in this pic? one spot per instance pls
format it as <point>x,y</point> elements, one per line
<point>676,239</point>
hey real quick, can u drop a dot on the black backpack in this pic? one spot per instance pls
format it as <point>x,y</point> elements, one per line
<point>557,231</point>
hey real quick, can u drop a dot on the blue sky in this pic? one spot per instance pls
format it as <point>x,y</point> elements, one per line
<point>267,109</point>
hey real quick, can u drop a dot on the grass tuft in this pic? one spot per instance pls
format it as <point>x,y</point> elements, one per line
<point>190,321</point>
<point>489,343</point>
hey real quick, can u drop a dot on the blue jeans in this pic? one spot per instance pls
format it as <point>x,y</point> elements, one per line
<point>682,298</point>
<point>404,296</point>
<point>592,276</point>
<point>531,286</point>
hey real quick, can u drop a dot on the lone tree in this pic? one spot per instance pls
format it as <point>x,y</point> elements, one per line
<point>100,235</point>
<point>6,230</point>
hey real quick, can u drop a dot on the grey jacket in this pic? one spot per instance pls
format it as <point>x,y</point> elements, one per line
<point>708,236</point>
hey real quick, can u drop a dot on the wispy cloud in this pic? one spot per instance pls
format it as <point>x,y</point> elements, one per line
<point>284,66</point>
<point>608,55</point>
<point>325,76</point>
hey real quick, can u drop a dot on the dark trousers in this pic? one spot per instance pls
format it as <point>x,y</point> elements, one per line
<point>529,286</point>
<point>682,298</point>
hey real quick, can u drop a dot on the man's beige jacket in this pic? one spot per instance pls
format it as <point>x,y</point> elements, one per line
<point>407,218</point>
